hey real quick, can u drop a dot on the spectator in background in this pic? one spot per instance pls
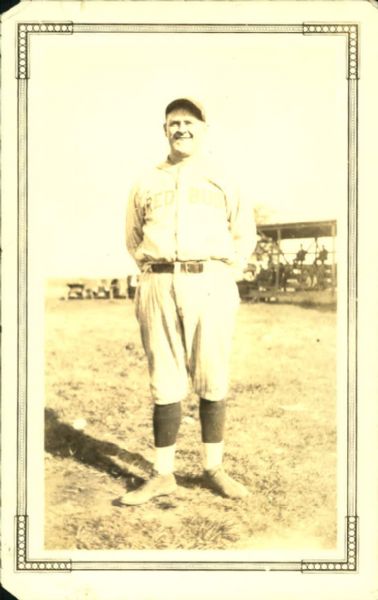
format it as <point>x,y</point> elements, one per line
<point>301,255</point>
<point>323,255</point>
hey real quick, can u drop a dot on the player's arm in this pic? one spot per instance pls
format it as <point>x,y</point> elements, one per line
<point>134,221</point>
<point>243,230</point>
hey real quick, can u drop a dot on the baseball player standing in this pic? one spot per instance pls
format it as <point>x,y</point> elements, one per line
<point>191,235</point>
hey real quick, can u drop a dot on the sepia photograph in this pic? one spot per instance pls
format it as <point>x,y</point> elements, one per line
<point>191,270</point>
<point>185,368</point>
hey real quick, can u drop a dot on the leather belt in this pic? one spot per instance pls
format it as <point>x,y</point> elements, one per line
<point>177,267</point>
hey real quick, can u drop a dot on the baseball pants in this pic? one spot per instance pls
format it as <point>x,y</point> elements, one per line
<point>186,322</point>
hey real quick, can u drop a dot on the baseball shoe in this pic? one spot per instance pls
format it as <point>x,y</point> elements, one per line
<point>158,485</point>
<point>218,481</point>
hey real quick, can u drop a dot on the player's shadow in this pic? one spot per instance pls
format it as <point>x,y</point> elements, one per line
<point>67,442</point>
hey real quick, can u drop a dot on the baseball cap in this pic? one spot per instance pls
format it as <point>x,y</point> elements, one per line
<point>190,104</point>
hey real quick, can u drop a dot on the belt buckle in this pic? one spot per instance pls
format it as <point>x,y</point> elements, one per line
<point>179,267</point>
<point>192,267</point>
<point>189,266</point>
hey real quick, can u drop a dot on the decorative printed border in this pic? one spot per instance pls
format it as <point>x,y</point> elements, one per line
<point>23,563</point>
<point>24,32</point>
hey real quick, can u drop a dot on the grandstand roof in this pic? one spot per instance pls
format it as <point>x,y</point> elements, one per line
<point>307,229</point>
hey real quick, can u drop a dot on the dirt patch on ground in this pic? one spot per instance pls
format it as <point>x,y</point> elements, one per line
<point>280,442</point>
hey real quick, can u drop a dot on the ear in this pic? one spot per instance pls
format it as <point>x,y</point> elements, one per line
<point>165,129</point>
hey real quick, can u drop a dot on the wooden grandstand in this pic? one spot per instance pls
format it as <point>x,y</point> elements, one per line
<point>273,271</point>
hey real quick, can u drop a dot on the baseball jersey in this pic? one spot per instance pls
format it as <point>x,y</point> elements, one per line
<point>186,211</point>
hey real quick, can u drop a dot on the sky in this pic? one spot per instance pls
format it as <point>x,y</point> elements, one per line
<point>277,114</point>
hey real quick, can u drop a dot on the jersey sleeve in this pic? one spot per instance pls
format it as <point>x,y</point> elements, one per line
<point>134,221</point>
<point>243,230</point>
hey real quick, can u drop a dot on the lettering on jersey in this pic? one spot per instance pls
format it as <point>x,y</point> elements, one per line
<point>206,196</point>
<point>195,195</point>
<point>164,198</point>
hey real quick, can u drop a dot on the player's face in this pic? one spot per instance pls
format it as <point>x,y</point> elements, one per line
<point>184,132</point>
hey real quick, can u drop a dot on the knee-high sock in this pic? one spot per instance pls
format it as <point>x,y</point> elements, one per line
<point>166,424</point>
<point>212,417</point>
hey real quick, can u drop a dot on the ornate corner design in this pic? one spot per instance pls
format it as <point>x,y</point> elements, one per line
<point>22,52</point>
<point>22,561</point>
<point>350,562</point>
<point>24,31</point>
<point>351,32</point>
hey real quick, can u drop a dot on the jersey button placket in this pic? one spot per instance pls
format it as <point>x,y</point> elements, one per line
<point>180,201</point>
<point>181,198</point>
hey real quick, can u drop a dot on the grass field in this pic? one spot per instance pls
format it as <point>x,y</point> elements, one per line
<point>280,439</point>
